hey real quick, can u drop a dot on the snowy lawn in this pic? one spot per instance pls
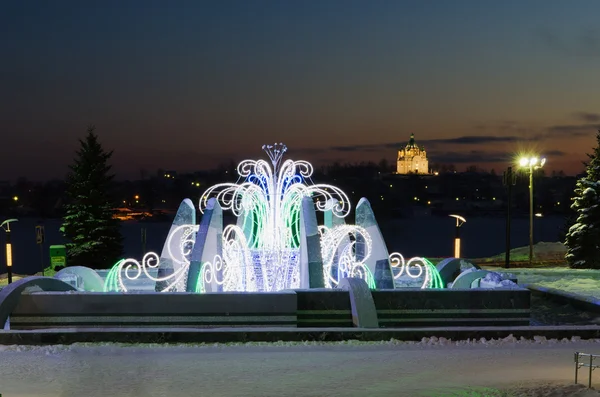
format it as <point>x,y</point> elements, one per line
<point>579,281</point>
<point>433,367</point>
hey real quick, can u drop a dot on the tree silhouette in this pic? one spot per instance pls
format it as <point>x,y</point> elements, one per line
<point>95,236</point>
<point>583,238</point>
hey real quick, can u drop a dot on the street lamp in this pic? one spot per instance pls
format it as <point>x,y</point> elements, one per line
<point>6,226</point>
<point>531,163</point>
<point>459,222</point>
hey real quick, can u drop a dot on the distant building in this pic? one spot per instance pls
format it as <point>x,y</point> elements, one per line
<point>412,159</point>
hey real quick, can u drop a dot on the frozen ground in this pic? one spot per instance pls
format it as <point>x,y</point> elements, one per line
<point>580,281</point>
<point>432,367</point>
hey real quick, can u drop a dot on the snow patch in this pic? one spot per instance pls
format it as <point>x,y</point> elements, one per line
<point>496,280</point>
<point>423,343</point>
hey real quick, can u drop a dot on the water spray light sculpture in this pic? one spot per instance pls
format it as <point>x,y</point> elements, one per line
<point>275,243</point>
<point>268,203</point>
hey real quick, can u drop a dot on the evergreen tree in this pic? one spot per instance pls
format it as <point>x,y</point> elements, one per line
<point>583,238</point>
<point>95,237</point>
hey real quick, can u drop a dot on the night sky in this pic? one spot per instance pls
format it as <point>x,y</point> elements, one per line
<point>186,85</point>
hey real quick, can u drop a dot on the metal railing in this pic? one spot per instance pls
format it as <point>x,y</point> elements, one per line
<point>588,363</point>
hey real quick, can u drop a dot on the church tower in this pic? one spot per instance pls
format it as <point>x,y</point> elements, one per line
<point>412,159</point>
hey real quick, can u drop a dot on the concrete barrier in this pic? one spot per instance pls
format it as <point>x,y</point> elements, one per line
<point>437,308</point>
<point>324,308</point>
<point>12,293</point>
<point>92,310</point>
<point>583,302</point>
<point>364,314</point>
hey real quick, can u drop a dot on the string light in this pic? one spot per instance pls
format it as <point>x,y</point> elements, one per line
<point>339,253</point>
<point>179,245</point>
<point>265,251</point>
<point>262,251</point>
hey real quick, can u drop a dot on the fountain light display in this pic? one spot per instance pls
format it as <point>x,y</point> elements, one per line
<point>264,250</point>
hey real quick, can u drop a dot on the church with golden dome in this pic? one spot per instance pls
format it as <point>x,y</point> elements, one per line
<point>412,159</point>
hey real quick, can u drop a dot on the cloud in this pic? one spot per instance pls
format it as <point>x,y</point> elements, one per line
<point>351,148</point>
<point>479,156</point>
<point>435,147</point>
<point>386,146</point>
<point>588,116</point>
<point>364,148</point>
<point>294,152</point>
<point>555,153</point>
<point>462,140</point>
<point>469,156</point>
<point>572,130</point>
<point>585,43</point>
<point>475,140</point>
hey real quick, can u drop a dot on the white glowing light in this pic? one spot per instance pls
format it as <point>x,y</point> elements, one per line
<point>416,268</point>
<point>339,253</point>
<point>533,162</point>
<point>265,251</point>
<point>182,239</point>
<point>261,252</point>
<point>234,271</point>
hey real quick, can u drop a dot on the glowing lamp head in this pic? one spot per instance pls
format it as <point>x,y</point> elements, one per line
<point>6,224</point>
<point>534,162</point>
<point>459,219</point>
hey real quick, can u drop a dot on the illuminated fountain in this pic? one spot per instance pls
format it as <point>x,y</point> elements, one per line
<point>276,243</point>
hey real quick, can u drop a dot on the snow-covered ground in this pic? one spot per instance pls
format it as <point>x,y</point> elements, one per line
<point>580,281</point>
<point>433,367</point>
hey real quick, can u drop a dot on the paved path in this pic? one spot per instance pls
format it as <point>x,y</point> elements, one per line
<point>313,370</point>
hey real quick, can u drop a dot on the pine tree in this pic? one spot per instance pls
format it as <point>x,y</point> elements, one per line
<point>583,238</point>
<point>95,237</point>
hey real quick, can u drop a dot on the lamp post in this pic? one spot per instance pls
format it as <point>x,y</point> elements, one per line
<point>509,180</point>
<point>531,163</point>
<point>459,222</point>
<point>6,227</point>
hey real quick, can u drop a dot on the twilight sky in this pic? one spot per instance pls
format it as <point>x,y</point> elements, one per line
<point>186,85</point>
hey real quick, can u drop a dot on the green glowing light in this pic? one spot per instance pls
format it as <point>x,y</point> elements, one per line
<point>111,284</point>
<point>435,280</point>
<point>370,279</point>
<point>200,289</point>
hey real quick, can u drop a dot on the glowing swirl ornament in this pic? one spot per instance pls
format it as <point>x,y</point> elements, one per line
<point>416,268</point>
<point>127,272</point>
<point>274,202</point>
